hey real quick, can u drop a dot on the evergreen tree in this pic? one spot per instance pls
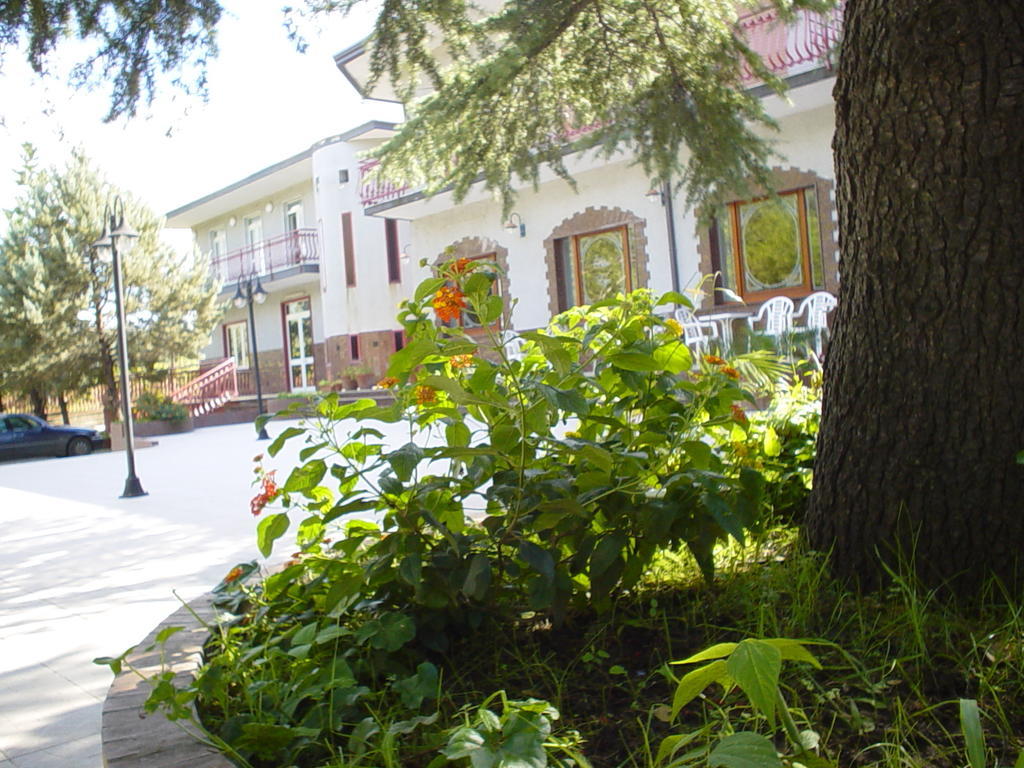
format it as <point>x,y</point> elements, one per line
<point>57,312</point>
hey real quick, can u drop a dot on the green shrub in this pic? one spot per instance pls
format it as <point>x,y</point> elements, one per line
<point>151,406</point>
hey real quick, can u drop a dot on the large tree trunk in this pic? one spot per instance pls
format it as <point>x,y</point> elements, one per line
<point>924,395</point>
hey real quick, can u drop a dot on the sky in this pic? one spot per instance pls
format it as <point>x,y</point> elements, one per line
<point>266,102</point>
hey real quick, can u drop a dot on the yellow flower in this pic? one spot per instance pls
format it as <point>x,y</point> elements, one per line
<point>671,324</point>
<point>462,361</point>
<point>387,382</point>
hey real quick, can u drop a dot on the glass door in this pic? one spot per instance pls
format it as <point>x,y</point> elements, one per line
<point>254,243</point>
<point>299,325</point>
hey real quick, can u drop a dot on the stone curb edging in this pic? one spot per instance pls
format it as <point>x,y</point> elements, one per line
<point>133,739</point>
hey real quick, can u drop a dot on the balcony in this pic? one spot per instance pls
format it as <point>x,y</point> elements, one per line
<point>375,190</point>
<point>787,49</point>
<point>289,254</point>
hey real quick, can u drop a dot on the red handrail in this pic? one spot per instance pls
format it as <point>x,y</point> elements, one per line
<point>210,390</point>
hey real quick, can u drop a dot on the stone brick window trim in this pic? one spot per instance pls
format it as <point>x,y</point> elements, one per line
<point>737,245</point>
<point>562,247</point>
<point>483,249</point>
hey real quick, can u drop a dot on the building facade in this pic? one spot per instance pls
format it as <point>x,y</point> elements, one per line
<point>336,252</point>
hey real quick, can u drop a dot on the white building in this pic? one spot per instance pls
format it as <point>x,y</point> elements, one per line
<point>332,276</point>
<point>336,255</point>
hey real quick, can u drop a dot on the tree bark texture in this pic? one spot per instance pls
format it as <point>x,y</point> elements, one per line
<point>924,396</point>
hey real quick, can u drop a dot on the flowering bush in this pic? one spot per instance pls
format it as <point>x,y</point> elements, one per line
<point>559,475</point>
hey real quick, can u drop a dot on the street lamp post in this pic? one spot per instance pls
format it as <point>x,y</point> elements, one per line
<point>117,240</point>
<point>253,294</point>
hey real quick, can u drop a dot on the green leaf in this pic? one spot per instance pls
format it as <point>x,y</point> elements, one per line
<point>538,559</point>
<point>744,750</point>
<point>605,553</point>
<point>974,738</point>
<point>673,297</point>
<point>306,477</point>
<point>395,630</point>
<point>405,460</point>
<point>696,681</point>
<point>568,400</point>
<point>718,651</point>
<point>410,569</point>
<point>674,357</point>
<point>269,530</point>
<point>423,685</point>
<point>428,287</point>
<point>793,650</point>
<point>634,361</point>
<point>457,434</point>
<point>165,634</point>
<point>478,578</point>
<point>280,440</point>
<point>755,666</point>
<point>408,357</point>
<point>772,446</point>
<point>597,456</point>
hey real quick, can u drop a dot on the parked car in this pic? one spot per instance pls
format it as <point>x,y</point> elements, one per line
<point>23,435</point>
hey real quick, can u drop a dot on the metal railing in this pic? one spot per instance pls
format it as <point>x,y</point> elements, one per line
<point>268,258</point>
<point>374,190</point>
<point>209,390</point>
<point>810,39</point>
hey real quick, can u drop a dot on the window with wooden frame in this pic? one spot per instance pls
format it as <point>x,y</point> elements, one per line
<point>592,266</point>
<point>770,246</point>
<point>236,343</point>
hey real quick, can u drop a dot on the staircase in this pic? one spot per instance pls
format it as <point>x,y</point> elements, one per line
<point>210,390</point>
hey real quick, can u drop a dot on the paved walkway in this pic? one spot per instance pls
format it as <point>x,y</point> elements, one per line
<point>84,573</point>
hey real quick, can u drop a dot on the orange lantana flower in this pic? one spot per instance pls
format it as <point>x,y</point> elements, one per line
<point>731,372</point>
<point>268,492</point>
<point>425,395</point>
<point>234,574</point>
<point>738,414</point>
<point>387,382</point>
<point>461,266</point>
<point>714,360</point>
<point>462,361</point>
<point>448,303</point>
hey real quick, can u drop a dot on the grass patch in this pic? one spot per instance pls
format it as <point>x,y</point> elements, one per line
<point>887,695</point>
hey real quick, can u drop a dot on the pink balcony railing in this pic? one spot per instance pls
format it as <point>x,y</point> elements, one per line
<point>811,38</point>
<point>374,190</point>
<point>269,257</point>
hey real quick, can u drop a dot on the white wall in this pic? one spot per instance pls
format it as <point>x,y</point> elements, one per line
<point>372,304</point>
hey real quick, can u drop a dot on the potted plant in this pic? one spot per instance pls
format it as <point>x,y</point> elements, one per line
<point>349,374</point>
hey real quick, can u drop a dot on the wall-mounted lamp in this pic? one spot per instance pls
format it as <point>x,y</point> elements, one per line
<point>654,195</point>
<point>268,208</point>
<point>405,254</point>
<point>515,221</point>
<point>232,221</point>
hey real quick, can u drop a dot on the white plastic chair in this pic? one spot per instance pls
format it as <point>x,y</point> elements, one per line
<point>513,346</point>
<point>816,308</point>
<point>697,333</point>
<point>777,316</point>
